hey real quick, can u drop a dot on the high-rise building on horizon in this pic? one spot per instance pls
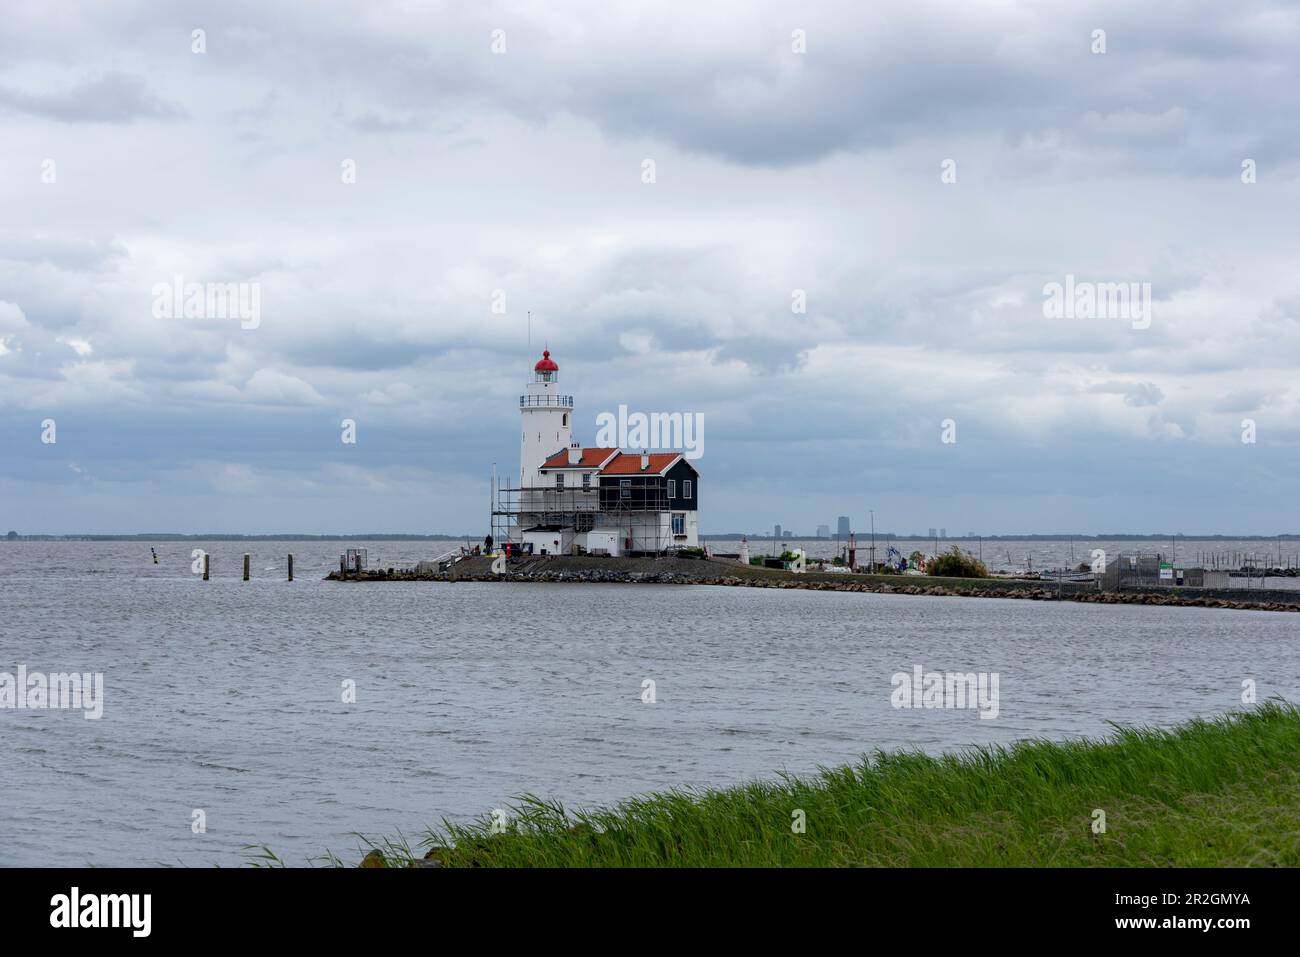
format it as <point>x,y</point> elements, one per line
<point>823,531</point>
<point>842,528</point>
<point>777,532</point>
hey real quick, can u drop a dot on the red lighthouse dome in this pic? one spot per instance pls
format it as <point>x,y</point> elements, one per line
<point>546,363</point>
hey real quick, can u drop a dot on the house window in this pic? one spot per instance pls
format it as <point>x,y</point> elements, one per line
<point>624,488</point>
<point>686,488</point>
<point>672,488</point>
<point>565,421</point>
<point>679,523</point>
<point>586,480</point>
<point>559,480</point>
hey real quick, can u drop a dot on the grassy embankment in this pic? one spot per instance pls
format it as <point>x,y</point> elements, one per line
<point>1207,793</point>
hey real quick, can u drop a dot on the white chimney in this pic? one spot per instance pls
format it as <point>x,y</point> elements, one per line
<point>645,461</point>
<point>575,453</point>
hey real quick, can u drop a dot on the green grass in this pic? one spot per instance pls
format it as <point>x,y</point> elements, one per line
<point>1207,793</point>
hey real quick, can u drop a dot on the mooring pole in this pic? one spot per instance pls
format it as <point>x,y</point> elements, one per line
<point>206,560</point>
<point>291,566</point>
<point>245,566</point>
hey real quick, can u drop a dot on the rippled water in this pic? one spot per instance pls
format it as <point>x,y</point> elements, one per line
<point>226,696</point>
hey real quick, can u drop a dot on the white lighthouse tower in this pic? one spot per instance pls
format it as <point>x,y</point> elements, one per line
<point>546,417</point>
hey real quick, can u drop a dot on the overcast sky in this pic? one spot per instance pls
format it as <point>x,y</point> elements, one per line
<point>783,161</point>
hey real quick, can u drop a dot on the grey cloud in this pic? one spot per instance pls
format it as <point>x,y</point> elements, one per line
<point>1184,85</point>
<point>1174,86</point>
<point>1241,401</point>
<point>65,252</point>
<point>371,122</point>
<point>112,97</point>
<point>1143,394</point>
<point>1136,394</point>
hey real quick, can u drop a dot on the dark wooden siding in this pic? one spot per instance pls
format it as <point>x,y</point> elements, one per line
<point>682,473</point>
<point>650,492</point>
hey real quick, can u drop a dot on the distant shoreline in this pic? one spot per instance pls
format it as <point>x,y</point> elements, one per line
<point>177,537</point>
<point>723,537</point>
<point>587,569</point>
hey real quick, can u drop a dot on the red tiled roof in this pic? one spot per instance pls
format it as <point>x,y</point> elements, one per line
<point>629,463</point>
<point>591,459</point>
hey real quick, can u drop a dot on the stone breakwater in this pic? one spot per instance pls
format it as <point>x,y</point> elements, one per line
<point>710,574</point>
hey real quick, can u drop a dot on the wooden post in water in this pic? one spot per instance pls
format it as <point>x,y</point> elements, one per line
<point>206,561</point>
<point>291,566</point>
<point>343,568</point>
<point>245,566</point>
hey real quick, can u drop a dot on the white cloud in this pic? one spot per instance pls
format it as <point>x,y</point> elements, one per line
<point>268,385</point>
<point>81,347</point>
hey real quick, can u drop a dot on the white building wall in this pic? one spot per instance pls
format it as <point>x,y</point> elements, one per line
<point>652,531</point>
<point>692,530</point>
<point>607,540</point>
<point>550,543</point>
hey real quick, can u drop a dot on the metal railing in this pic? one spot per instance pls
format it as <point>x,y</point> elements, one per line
<point>555,401</point>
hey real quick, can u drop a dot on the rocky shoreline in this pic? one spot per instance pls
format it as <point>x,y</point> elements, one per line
<point>728,574</point>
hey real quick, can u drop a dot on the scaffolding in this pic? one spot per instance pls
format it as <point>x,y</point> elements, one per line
<point>641,513</point>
